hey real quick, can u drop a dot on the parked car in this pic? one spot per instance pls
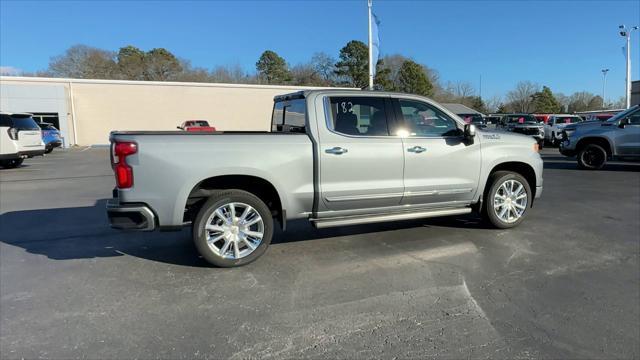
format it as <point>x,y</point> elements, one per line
<point>475,119</point>
<point>594,143</point>
<point>20,138</point>
<point>523,124</point>
<point>492,119</point>
<point>542,118</point>
<point>555,125</point>
<point>50,136</point>
<point>196,125</point>
<point>333,157</point>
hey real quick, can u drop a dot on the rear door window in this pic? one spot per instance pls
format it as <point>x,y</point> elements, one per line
<point>359,116</point>
<point>289,116</point>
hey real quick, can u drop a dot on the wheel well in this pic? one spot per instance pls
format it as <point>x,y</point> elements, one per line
<point>595,140</point>
<point>252,184</point>
<point>521,168</point>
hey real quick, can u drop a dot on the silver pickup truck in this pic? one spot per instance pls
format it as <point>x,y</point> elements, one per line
<point>333,157</point>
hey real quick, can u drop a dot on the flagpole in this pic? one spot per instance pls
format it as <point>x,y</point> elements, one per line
<point>627,90</point>
<point>371,65</point>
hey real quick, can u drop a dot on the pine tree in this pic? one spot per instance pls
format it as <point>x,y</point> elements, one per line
<point>544,102</point>
<point>413,80</point>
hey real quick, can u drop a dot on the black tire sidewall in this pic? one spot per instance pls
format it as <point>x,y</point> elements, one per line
<point>584,165</point>
<point>496,180</point>
<point>11,164</point>
<point>214,202</point>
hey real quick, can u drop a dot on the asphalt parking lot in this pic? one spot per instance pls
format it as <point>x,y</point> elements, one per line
<point>565,284</point>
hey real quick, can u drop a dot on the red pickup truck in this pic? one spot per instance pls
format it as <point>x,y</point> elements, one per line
<point>196,125</point>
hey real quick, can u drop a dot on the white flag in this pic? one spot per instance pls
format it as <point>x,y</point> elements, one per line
<point>376,42</point>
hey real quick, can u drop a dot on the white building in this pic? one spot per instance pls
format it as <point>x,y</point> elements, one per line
<point>86,111</point>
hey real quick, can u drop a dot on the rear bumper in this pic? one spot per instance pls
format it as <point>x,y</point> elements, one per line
<point>130,216</point>
<point>53,144</point>
<point>22,154</point>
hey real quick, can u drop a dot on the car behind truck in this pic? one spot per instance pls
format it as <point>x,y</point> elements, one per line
<point>333,157</point>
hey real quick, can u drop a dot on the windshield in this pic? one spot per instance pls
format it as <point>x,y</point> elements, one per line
<point>568,119</point>
<point>197,123</point>
<point>623,114</point>
<point>520,119</point>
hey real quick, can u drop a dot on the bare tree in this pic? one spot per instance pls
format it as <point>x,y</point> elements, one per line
<point>463,89</point>
<point>192,74</point>
<point>493,104</point>
<point>564,101</point>
<point>306,74</point>
<point>232,74</point>
<point>521,98</point>
<point>584,101</point>
<point>84,62</point>
<point>324,65</point>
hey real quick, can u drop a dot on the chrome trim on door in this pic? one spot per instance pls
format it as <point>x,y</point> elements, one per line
<point>366,219</point>
<point>454,191</point>
<point>437,192</point>
<point>362,197</point>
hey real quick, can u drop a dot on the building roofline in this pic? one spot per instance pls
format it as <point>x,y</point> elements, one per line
<point>161,83</point>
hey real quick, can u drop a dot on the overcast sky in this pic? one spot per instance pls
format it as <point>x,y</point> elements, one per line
<point>562,44</point>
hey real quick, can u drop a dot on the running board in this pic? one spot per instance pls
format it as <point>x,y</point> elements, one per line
<point>367,219</point>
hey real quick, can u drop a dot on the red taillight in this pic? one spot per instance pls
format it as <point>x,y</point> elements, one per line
<point>124,172</point>
<point>13,133</point>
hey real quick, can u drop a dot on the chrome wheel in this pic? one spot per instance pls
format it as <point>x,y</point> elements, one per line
<point>510,201</point>
<point>234,230</point>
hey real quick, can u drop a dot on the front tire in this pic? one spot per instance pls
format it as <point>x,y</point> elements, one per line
<point>507,200</point>
<point>233,228</point>
<point>592,157</point>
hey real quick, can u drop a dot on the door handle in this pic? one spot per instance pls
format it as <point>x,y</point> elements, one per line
<point>417,149</point>
<point>336,150</point>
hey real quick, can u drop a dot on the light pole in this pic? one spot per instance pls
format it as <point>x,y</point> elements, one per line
<point>626,33</point>
<point>604,85</point>
<point>371,64</point>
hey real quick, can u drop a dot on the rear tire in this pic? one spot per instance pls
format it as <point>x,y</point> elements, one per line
<point>507,200</point>
<point>11,164</point>
<point>592,157</point>
<point>233,228</point>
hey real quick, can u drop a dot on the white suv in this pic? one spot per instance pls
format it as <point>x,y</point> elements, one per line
<point>553,128</point>
<point>20,138</point>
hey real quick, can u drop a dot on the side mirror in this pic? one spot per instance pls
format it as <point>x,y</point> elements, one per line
<point>178,127</point>
<point>469,131</point>
<point>624,122</point>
